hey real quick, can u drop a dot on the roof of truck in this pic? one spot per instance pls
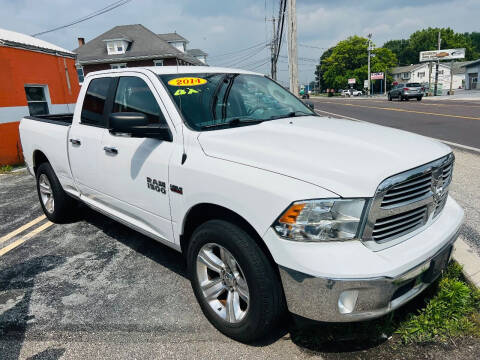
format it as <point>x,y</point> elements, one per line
<point>178,70</point>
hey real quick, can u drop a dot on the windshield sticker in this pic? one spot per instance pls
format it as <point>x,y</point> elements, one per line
<point>185,92</point>
<point>187,81</point>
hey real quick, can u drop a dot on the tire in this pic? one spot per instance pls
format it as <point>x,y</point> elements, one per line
<point>389,97</point>
<point>419,98</point>
<point>400,97</point>
<point>60,207</point>
<point>266,301</point>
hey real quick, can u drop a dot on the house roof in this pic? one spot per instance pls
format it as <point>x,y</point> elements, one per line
<point>19,40</point>
<point>408,68</point>
<point>458,67</point>
<point>145,44</point>
<point>471,63</point>
<point>172,37</point>
<point>196,52</point>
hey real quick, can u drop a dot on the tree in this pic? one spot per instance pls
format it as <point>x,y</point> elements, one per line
<point>408,51</point>
<point>319,72</point>
<point>348,59</point>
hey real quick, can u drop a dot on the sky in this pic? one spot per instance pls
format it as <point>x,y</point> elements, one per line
<point>220,27</point>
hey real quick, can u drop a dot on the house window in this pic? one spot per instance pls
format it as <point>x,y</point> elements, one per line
<point>36,99</point>
<point>116,47</point>
<point>158,62</point>
<point>440,72</point>
<point>80,74</point>
<point>118,66</point>
<point>405,75</point>
<point>421,74</point>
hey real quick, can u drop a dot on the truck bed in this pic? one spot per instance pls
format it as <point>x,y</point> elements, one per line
<point>59,119</point>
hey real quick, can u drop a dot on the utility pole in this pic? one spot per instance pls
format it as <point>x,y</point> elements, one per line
<point>369,49</point>
<point>436,67</point>
<point>451,78</point>
<point>273,52</point>
<point>292,47</point>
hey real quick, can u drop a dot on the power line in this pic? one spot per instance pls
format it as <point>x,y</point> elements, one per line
<point>87,17</point>
<point>238,51</point>
<point>244,57</point>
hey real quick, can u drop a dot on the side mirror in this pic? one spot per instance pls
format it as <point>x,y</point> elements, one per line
<point>310,104</point>
<point>136,125</point>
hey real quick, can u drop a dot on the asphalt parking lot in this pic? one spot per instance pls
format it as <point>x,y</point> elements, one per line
<point>95,289</point>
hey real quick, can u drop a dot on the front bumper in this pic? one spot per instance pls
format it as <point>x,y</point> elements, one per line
<point>347,298</point>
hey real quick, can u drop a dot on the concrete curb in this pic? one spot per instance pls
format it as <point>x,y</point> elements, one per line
<point>465,256</point>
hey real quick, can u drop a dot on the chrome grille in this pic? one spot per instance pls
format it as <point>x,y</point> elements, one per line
<point>399,224</point>
<point>408,191</point>
<point>407,201</point>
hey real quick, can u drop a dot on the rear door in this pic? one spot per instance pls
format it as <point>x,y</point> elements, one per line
<point>85,136</point>
<point>137,168</point>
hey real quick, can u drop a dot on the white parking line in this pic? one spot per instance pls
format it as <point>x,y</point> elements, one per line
<point>465,147</point>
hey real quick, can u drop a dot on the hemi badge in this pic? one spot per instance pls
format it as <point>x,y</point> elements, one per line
<point>176,189</point>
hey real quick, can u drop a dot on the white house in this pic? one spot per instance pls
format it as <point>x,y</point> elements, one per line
<point>422,72</point>
<point>472,73</point>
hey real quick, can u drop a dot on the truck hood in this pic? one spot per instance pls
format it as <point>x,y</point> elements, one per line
<point>349,158</point>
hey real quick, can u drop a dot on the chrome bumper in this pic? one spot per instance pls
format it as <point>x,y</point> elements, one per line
<point>348,300</point>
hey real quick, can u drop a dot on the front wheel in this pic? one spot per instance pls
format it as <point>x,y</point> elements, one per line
<point>236,286</point>
<point>56,204</point>
<point>419,98</point>
<point>389,97</point>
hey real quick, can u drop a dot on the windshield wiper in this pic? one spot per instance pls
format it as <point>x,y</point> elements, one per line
<point>292,114</point>
<point>232,123</point>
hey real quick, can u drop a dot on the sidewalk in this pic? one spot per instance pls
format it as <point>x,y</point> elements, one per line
<point>460,95</point>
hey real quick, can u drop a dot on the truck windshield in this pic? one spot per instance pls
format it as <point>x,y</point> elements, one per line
<point>210,101</point>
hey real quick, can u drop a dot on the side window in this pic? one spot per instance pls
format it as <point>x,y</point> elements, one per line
<point>134,95</point>
<point>94,102</point>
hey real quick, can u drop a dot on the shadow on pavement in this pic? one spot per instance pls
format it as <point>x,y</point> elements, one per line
<point>18,282</point>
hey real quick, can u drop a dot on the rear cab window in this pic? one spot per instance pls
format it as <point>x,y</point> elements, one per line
<point>93,109</point>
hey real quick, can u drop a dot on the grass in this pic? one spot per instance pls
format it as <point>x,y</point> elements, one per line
<point>453,311</point>
<point>5,169</point>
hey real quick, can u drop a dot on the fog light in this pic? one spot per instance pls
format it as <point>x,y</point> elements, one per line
<point>347,301</point>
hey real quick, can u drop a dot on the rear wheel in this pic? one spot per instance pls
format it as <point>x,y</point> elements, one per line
<point>419,98</point>
<point>236,286</point>
<point>389,97</point>
<point>56,204</point>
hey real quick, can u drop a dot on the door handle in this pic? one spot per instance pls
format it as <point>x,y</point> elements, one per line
<point>75,142</point>
<point>110,150</point>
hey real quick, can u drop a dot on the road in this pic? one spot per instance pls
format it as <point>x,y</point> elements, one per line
<point>453,121</point>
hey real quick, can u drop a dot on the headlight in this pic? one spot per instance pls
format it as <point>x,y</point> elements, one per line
<point>321,220</point>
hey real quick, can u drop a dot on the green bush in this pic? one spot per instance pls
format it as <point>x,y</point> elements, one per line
<point>5,169</point>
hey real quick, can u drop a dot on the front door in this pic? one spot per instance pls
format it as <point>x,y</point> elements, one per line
<point>137,168</point>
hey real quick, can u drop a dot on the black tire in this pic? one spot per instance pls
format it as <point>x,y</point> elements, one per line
<point>400,97</point>
<point>419,98</point>
<point>266,307</point>
<point>389,97</point>
<point>64,205</point>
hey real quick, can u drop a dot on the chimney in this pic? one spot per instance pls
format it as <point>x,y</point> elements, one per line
<point>81,41</point>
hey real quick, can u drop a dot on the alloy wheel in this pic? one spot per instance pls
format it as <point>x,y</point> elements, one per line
<point>222,283</point>
<point>46,193</point>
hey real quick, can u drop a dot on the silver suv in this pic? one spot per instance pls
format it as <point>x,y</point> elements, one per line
<point>406,92</point>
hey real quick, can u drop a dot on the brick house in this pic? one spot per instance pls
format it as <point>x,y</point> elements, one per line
<point>130,46</point>
<point>37,78</point>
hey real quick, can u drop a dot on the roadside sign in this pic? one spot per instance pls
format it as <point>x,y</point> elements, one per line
<point>376,76</point>
<point>365,83</point>
<point>352,81</point>
<point>448,54</point>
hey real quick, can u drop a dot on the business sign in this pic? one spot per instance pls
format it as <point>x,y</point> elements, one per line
<point>365,84</point>
<point>376,76</point>
<point>448,54</point>
<point>352,81</point>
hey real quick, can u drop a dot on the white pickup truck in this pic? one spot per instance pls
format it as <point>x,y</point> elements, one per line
<point>273,206</point>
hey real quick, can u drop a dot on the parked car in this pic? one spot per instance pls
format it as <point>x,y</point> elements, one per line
<point>351,92</point>
<point>273,206</point>
<point>406,92</point>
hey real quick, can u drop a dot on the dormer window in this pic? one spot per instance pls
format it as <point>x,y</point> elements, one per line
<point>116,46</point>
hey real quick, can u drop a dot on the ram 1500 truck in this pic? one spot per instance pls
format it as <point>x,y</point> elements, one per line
<point>274,207</point>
